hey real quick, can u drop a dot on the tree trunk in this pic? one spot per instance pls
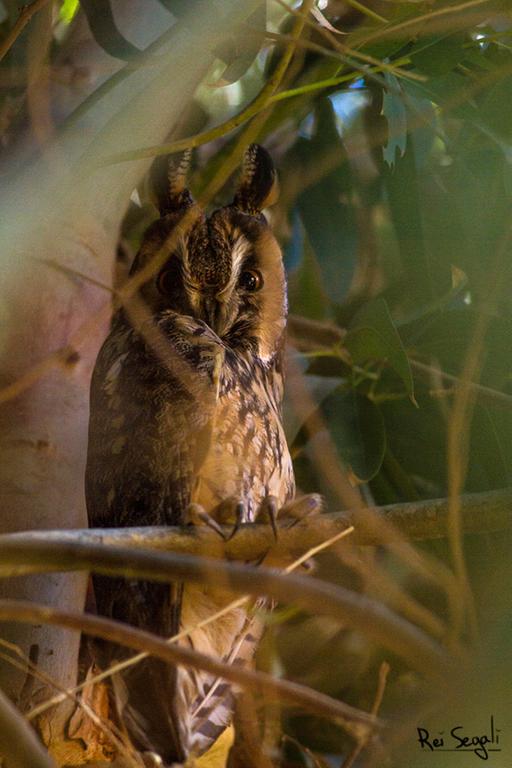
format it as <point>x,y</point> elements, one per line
<point>62,209</point>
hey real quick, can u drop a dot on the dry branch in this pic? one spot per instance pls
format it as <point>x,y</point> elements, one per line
<point>358,723</point>
<point>36,554</point>
<point>23,19</point>
<point>488,512</point>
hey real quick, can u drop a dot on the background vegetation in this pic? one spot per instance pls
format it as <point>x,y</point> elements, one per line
<point>391,126</point>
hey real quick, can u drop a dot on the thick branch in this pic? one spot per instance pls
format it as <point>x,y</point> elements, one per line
<point>37,554</point>
<point>420,520</point>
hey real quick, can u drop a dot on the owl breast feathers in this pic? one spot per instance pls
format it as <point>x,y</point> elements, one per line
<point>186,414</point>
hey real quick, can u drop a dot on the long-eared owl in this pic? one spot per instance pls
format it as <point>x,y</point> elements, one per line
<point>186,424</point>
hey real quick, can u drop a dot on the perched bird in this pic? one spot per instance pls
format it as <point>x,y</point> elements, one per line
<point>186,426</point>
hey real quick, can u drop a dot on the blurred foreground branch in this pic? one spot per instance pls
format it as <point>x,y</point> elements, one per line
<point>360,724</point>
<point>24,554</point>
<point>20,745</point>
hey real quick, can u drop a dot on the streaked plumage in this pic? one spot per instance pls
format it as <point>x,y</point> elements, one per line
<point>186,409</point>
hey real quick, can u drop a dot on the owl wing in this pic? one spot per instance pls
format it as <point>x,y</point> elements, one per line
<point>151,416</point>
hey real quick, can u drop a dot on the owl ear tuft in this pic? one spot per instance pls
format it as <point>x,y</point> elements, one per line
<point>168,179</point>
<point>258,185</point>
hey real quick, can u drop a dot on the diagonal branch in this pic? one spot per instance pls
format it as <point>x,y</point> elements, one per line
<point>19,743</point>
<point>23,19</point>
<point>358,723</point>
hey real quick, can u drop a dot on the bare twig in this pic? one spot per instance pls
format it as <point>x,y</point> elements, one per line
<point>379,695</point>
<point>360,724</point>
<point>23,19</point>
<point>19,745</point>
<point>485,395</point>
<point>22,662</point>
<point>40,555</point>
<point>424,21</point>
<point>458,436</point>
<point>347,51</point>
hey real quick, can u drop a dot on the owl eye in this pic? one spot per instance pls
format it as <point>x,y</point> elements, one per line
<point>167,279</point>
<point>251,280</point>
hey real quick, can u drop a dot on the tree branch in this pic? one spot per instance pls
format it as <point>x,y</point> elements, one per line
<point>23,19</point>
<point>259,103</point>
<point>421,520</point>
<point>358,723</point>
<point>36,553</point>
<point>19,744</point>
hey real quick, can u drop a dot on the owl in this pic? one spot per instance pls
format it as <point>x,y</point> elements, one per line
<point>186,427</point>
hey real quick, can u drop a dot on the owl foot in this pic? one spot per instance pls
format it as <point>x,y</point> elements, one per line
<point>230,508</point>
<point>268,510</point>
<point>197,515</point>
<point>301,507</point>
<point>297,509</point>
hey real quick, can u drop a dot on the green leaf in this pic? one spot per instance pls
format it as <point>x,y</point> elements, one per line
<point>319,388</point>
<point>393,109</point>
<point>326,208</point>
<point>372,335</point>
<point>357,429</point>
<point>68,10</point>
<point>438,55</point>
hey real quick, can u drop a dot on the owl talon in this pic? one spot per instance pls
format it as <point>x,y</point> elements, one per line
<point>301,507</point>
<point>269,509</point>
<point>196,515</point>
<point>239,519</point>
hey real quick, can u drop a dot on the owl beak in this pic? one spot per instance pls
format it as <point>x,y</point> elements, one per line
<point>214,313</point>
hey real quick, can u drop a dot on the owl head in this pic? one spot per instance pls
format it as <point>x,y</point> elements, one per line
<point>225,268</point>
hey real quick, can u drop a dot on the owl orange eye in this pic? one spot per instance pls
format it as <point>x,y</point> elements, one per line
<point>167,279</point>
<point>251,280</point>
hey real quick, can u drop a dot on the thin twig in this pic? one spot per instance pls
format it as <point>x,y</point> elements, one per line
<point>379,695</point>
<point>458,438</point>
<point>358,723</point>
<point>347,52</point>
<point>485,395</point>
<point>22,662</point>
<point>23,19</point>
<point>306,335</point>
<point>410,24</point>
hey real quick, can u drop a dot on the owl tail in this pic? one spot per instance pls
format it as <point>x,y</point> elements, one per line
<point>207,702</point>
<point>144,700</point>
<point>146,705</point>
